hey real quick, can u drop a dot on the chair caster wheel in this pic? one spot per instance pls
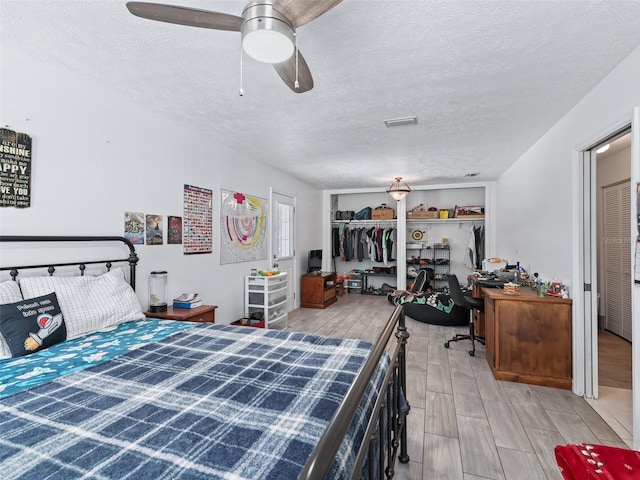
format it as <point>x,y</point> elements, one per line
<point>446,344</point>
<point>472,353</point>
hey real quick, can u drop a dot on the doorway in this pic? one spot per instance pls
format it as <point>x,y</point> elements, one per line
<point>613,391</point>
<point>283,222</point>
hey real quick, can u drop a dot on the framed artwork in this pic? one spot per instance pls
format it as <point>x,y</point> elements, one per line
<point>154,229</point>
<point>197,226</point>
<point>243,227</point>
<point>174,230</point>
<point>134,227</point>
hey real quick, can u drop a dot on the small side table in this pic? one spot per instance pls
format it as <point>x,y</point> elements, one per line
<point>204,313</point>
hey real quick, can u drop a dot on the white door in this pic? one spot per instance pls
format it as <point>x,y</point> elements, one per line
<point>283,222</point>
<point>617,258</point>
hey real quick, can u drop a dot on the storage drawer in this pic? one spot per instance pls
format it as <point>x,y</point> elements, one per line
<point>353,284</point>
<point>329,293</point>
<point>256,298</point>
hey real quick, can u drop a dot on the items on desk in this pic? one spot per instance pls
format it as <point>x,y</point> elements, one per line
<point>511,288</point>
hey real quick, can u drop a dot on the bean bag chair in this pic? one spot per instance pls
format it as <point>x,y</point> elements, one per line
<point>434,308</point>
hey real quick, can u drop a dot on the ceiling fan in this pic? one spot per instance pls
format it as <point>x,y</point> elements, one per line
<point>268,30</point>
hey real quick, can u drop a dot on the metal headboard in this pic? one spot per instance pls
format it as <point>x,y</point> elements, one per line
<point>132,259</point>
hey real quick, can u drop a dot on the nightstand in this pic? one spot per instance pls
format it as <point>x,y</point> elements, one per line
<point>204,313</point>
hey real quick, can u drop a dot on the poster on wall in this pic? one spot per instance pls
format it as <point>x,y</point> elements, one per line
<point>243,225</point>
<point>174,230</point>
<point>15,169</point>
<point>134,227</point>
<point>197,220</point>
<point>154,229</point>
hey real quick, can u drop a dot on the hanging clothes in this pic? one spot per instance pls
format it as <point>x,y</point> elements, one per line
<point>471,256</point>
<point>335,242</point>
<point>479,236</point>
<point>360,244</point>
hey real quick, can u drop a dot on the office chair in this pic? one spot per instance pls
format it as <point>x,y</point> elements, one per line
<point>470,303</point>
<point>418,282</point>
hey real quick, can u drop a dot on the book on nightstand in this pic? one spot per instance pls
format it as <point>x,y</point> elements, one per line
<point>187,300</point>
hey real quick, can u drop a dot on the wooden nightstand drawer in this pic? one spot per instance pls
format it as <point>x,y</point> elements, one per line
<point>205,313</point>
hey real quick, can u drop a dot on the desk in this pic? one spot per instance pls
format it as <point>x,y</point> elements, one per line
<point>528,338</point>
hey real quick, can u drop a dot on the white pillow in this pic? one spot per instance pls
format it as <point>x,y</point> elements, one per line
<point>88,303</point>
<point>9,293</point>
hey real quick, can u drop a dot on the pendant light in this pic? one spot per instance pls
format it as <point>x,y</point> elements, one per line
<point>398,189</point>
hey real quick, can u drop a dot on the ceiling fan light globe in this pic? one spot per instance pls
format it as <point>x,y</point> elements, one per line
<point>267,40</point>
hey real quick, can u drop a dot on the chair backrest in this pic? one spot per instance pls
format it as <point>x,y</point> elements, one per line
<point>456,292</point>
<point>418,283</point>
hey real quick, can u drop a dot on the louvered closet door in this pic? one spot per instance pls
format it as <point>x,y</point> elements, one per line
<point>617,259</point>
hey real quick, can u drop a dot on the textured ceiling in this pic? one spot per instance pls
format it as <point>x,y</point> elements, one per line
<point>485,78</point>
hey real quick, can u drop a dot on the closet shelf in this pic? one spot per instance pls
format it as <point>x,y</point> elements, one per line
<point>415,221</point>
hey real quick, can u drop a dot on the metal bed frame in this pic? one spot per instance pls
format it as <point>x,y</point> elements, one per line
<point>391,407</point>
<point>132,259</point>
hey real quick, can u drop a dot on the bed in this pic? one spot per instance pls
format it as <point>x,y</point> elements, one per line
<point>122,396</point>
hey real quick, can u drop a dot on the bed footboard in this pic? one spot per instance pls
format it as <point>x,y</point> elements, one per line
<point>388,419</point>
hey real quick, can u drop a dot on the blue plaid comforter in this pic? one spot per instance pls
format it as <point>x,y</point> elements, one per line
<point>214,402</point>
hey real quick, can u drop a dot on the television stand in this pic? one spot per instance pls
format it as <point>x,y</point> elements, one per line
<point>318,289</point>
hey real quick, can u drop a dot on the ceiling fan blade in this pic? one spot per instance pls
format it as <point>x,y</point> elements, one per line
<point>287,72</point>
<point>185,16</point>
<point>300,12</point>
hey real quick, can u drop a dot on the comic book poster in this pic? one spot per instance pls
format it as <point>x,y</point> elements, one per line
<point>174,230</point>
<point>154,230</point>
<point>134,227</point>
<point>15,169</point>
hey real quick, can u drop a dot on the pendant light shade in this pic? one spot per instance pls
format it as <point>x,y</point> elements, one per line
<point>398,189</point>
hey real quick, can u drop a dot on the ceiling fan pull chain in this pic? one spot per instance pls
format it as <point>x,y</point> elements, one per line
<point>296,84</point>
<point>241,92</point>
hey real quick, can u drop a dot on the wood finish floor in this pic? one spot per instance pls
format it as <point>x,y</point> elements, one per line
<point>614,360</point>
<point>463,423</point>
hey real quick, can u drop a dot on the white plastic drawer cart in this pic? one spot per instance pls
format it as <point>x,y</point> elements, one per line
<point>267,296</point>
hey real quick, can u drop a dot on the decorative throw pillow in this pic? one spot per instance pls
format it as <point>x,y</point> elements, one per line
<point>9,293</point>
<point>33,324</point>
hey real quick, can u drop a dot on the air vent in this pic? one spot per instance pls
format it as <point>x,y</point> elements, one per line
<point>473,174</point>
<point>399,122</point>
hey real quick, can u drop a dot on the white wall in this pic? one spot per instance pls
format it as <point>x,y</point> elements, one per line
<point>534,197</point>
<point>535,200</point>
<point>97,155</point>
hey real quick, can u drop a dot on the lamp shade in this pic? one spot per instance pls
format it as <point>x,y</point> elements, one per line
<point>398,189</point>
<point>267,35</point>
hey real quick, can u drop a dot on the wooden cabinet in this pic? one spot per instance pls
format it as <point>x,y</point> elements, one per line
<point>528,338</point>
<point>204,313</point>
<point>318,290</point>
<point>266,297</point>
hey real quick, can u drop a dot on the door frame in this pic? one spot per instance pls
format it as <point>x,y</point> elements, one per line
<point>585,359</point>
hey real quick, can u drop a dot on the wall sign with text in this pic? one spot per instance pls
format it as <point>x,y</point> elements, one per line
<point>15,169</point>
